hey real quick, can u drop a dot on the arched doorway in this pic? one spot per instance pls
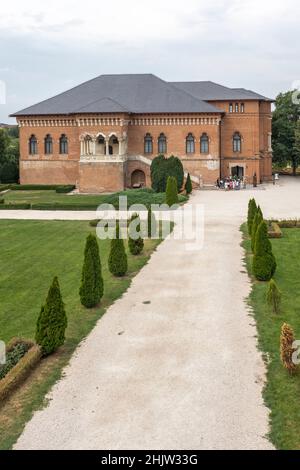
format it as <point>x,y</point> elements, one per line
<point>138,179</point>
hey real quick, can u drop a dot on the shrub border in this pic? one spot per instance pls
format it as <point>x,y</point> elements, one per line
<point>22,369</point>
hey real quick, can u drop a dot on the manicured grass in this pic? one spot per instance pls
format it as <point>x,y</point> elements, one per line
<point>282,392</point>
<point>73,201</point>
<point>31,254</point>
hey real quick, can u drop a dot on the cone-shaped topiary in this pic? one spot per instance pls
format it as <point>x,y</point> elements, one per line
<point>151,224</point>
<point>91,289</point>
<point>264,263</point>
<point>117,260</point>
<point>171,191</point>
<point>188,184</point>
<point>252,209</point>
<point>52,321</point>
<point>135,241</point>
<point>287,338</point>
<point>273,296</point>
<point>256,221</point>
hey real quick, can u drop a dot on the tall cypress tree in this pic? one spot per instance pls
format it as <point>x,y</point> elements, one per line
<point>264,263</point>
<point>117,260</point>
<point>151,224</point>
<point>256,221</point>
<point>135,245</point>
<point>188,184</point>
<point>252,209</point>
<point>52,321</point>
<point>91,289</point>
<point>171,191</point>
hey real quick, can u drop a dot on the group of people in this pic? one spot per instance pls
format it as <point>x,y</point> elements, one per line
<point>231,183</point>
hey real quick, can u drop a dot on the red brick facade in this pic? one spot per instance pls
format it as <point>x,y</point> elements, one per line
<point>107,152</point>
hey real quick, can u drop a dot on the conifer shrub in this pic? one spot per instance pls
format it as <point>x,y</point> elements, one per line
<point>52,321</point>
<point>171,191</point>
<point>188,184</point>
<point>273,296</point>
<point>252,208</point>
<point>287,338</point>
<point>117,260</point>
<point>264,263</point>
<point>91,288</point>
<point>256,221</point>
<point>135,243</point>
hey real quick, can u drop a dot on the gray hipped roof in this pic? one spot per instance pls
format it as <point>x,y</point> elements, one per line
<point>136,93</point>
<point>210,91</point>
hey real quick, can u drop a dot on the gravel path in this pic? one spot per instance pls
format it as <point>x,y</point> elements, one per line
<point>181,372</point>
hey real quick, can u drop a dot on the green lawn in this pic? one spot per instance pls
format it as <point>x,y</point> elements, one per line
<point>282,392</point>
<point>31,254</point>
<point>143,196</point>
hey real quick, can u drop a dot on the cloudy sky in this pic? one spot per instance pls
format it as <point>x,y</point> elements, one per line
<point>48,47</point>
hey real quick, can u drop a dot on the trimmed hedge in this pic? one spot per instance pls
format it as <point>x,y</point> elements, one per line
<point>2,201</point>
<point>15,206</point>
<point>4,187</point>
<point>60,206</point>
<point>65,189</point>
<point>292,223</point>
<point>22,369</point>
<point>41,187</point>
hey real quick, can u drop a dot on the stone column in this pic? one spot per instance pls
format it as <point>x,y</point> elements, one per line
<point>107,147</point>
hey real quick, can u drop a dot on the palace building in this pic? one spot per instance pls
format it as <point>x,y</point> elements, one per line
<point>103,134</point>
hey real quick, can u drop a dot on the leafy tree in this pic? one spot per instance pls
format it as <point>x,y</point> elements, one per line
<point>171,191</point>
<point>252,209</point>
<point>273,296</point>
<point>9,158</point>
<point>284,131</point>
<point>52,321</point>
<point>117,260</point>
<point>4,143</point>
<point>264,263</point>
<point>287,338</point>
<point>135,244</point>
<point>151,224</point>
<point>91,289</point>
<point>256,221</point>
<point>188,184</point>
<point>161,168</point>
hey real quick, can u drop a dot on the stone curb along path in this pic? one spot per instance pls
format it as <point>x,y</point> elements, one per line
<point>185,373</point>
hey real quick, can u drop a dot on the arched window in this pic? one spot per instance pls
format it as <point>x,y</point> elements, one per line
<point>242,107</point>
<point>33,148</point>
<point>190,144</point>
<point>236,107</point>
<point>162,144</point>
<point>204,143</point>
<point>148,143</point>
<point>48,144</point>
<point>237,142</point>
<point>230,107</point>
<point>63,144</point>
